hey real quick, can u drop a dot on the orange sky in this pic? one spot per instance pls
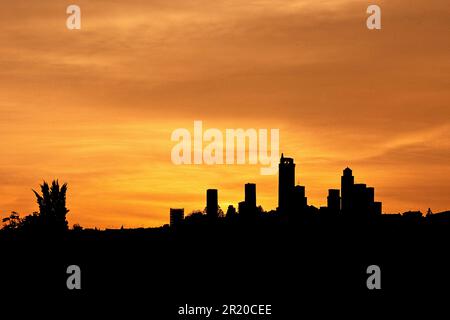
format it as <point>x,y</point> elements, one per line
<point>96,107</point>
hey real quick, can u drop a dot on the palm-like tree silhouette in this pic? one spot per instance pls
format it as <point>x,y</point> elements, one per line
<point>52,206</point>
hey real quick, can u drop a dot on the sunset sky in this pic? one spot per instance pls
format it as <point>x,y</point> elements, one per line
<point>96,107</point>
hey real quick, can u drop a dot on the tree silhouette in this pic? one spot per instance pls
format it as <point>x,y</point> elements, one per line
<point>12,222</point>
<point>52,206</point>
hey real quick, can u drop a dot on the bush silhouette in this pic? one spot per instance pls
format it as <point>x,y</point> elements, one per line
<point>13,222</point>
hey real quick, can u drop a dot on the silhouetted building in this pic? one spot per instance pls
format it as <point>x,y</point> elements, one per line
<point>347,182</point>
<point>376,209</point>
<point>360,203</point>
<point>370,194</point>
<point>333,201</point>
<point>231,211</point>
<point>242,207</point>
<point>358,200</point>
<point>300,202</point>
<point>250,195</point>
<point>248,208</point>
<point>176,217</point>
<point>286,182</point>
<point>324,212</point>
<point>212,204</point>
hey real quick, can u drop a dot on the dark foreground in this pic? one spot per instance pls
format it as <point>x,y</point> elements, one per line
<point>309,268</point>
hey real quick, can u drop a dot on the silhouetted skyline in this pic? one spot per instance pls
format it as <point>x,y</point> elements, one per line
<point>353,202</point>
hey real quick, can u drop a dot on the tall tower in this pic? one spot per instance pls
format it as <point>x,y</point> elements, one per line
<point>286,182</point>
<point>212,205</point>
<point>250,195</point>
<point>347,183</point>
